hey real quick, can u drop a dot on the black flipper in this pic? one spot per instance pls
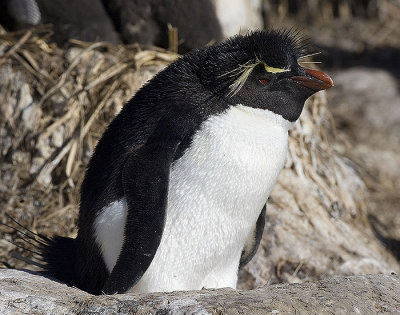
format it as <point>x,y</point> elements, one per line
<point>254,239</point>
<point>145,179</point>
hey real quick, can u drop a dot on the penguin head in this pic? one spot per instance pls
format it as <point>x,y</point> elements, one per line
<point>261,70</point>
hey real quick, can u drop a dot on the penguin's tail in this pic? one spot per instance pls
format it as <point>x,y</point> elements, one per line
<point>55,256</point>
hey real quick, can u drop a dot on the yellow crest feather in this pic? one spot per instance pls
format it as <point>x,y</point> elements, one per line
<point>274,70</point>
<point>244,71</point>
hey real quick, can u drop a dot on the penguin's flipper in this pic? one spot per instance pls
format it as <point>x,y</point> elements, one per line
<point>145,178</point>
<point>253,240</point>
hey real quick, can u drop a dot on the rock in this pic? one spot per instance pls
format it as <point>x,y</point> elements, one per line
<point>28,292</point>
<point>366,106</point>
<point>367,102</point>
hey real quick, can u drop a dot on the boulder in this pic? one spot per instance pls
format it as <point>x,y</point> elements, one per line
<point>366,107</point>
<point>28,292</point>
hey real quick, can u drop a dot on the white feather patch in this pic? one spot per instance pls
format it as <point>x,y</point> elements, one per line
<point>109,231</point>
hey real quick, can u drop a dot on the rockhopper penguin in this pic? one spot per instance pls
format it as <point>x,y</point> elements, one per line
<point>174,196</point>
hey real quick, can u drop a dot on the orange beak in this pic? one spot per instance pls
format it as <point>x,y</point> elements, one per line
<point>315,80</point>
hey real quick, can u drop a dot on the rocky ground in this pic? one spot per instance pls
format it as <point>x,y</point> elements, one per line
<point>366,105</point>
<point>27,293</point>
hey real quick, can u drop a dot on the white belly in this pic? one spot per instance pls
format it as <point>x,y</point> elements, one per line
<point>216,193</point>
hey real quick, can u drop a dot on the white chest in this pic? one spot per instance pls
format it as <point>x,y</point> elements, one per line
<point>230,168</point>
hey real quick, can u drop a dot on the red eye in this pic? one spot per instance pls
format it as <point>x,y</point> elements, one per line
<point>263,81</point>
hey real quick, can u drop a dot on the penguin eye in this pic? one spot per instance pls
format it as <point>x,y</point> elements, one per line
<point>263,81</point>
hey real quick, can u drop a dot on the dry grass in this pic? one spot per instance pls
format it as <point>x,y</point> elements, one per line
<point>55,104</point>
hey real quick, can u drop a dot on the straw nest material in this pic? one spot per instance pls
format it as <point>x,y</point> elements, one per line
<point>55,104</point>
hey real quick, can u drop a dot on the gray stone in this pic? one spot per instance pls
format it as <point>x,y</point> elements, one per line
<point>26,293</point>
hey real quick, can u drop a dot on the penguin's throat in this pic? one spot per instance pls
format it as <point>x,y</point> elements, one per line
<point>266,115</point>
